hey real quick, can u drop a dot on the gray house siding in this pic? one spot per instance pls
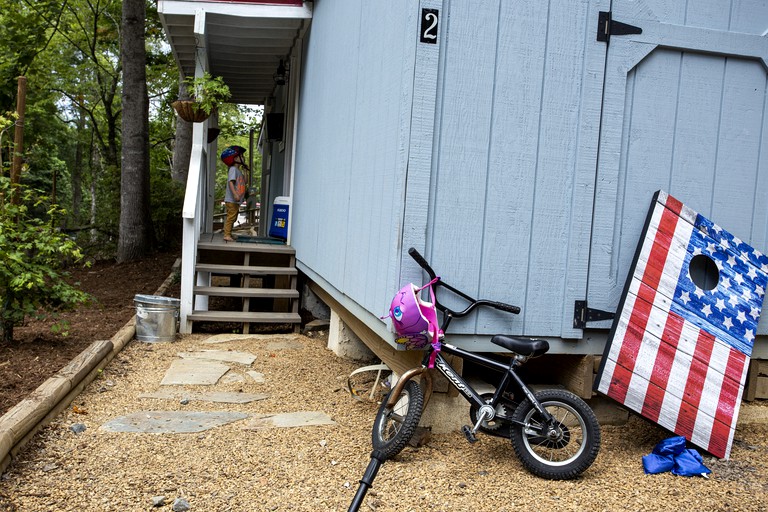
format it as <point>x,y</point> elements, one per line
<point>350,162</point>
<point>519,153</point>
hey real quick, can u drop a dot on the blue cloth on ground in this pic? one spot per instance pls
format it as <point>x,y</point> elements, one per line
<point>671,455</point>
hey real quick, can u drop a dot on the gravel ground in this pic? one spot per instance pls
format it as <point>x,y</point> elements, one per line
<point>317,468</point>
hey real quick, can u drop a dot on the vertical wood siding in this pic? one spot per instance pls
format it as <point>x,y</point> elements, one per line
<point>350,162</point>
<point>530,166</point>
<point>513,181</point>
<point>685,111</point>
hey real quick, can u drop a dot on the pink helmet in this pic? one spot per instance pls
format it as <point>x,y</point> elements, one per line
<point>414,320</point>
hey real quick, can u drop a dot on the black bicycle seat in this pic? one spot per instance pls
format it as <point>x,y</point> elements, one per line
<point>522,346</point>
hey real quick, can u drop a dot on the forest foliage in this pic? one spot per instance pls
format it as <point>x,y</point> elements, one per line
<point>69,52</point>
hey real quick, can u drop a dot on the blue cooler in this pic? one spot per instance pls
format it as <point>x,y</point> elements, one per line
<point>279,226</point>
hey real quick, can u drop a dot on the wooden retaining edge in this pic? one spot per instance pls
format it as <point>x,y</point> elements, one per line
<point>25,419</point>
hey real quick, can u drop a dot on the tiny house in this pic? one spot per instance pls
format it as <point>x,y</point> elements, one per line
<point>517,145</point>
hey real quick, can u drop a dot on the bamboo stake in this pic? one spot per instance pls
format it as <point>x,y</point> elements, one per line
<point>21,106</point>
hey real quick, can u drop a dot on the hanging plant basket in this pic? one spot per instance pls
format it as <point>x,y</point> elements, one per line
<point>190,111</point>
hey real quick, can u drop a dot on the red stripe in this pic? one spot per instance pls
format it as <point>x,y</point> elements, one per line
<point>730,392</point>
<point>630,345</point>
<point>697,374</point>
<point>665,356</point>
<point>674,205</point>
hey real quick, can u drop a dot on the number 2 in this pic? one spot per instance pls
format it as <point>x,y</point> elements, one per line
<point>429,20</point>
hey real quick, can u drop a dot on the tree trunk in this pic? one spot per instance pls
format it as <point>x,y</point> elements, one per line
<point>182,147</point>
<point>77,170</point>
<point>135,239</point>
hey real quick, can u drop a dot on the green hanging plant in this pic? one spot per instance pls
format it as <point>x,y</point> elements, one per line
<point>206,92</point>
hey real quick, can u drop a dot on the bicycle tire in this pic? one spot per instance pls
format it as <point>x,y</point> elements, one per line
<point>393,428</point>
<point>567,454</point>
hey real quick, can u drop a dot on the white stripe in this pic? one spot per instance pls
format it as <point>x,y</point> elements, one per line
<point>678,376</point>
<point>646,359</point>
<point>629,302</point>
<point>710,395</point>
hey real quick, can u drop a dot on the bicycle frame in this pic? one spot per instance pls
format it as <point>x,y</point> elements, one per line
<point>509,377</point>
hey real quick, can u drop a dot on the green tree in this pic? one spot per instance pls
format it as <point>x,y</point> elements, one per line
<point>32,251</point>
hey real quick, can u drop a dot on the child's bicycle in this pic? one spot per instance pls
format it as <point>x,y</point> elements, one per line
<point>554,433</point>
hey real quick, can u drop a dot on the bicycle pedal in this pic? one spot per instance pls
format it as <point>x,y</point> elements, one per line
<point>468,434</point>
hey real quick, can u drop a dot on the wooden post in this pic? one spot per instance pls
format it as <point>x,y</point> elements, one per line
<point>21,106</point>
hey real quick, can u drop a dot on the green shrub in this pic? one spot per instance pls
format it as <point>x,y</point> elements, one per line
<point>32,257</point>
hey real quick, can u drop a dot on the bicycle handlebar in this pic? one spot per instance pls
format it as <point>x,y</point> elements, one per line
<point>421,261</point>
<point>474,303</point>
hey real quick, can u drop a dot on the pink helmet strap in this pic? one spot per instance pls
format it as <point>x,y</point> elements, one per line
<point>434,327</point>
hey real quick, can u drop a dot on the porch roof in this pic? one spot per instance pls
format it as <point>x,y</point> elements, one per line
<point>244,41</point>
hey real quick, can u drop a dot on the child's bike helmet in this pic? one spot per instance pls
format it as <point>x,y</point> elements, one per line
<point>415,320</point>
<point>229,155</point>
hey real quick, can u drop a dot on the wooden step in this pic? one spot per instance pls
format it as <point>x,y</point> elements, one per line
<point>227,291</point>
<point>242,269</point>
<point>218,245</point>
<point>245,317</point>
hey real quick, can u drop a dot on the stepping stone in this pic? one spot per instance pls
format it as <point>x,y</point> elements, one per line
<point>224,397</point>
<point>284,345</point>
<point>226,356</point>
<point>194,372</point>
<point>231,377</point>
<point>289,419</point>
<point>257,377</point>
<point>171,422</point>
<point>225,338</point>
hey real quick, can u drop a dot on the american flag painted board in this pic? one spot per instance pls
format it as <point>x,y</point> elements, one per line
<point>678,350</point>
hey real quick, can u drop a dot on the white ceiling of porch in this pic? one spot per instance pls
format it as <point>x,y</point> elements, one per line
<point>244,41</point>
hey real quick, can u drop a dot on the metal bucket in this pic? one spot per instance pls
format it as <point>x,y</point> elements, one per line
<point>156,318</point>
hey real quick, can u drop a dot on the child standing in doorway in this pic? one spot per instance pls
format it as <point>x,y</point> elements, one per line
<point>233,158</point>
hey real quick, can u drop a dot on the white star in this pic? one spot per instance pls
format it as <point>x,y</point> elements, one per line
<point>716,228</point>
<point>726,282</point>
<point>706,310</point>
<point>720,304</point>
<point>755,313</point>
<point>728,323</point>
<point>746,294</point>
<point>759,291</point>
<point>749,335</point>
<point>741,317</point>
<point>699,293</point>
<point>736,241</point>
<point>764,267</point>
<point>685,298</point>
<point>739,279</point>
<point>711,248</point>
<point>696,251</point>
<point>752,273</point>
<point>732,300</point>
<point>719,264</point>
<point>724,243</point>
<point>731,260</point>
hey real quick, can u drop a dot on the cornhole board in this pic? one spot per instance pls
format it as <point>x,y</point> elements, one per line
<point>679,348</point>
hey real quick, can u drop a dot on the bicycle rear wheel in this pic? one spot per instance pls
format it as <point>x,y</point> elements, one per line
<point>564,451</point>
<point>393,428</point>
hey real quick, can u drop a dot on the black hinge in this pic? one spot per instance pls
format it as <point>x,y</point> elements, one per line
<point>607,27</point>
<point>583,314</point>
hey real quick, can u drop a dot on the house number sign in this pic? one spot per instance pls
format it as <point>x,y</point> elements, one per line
<point>429,26</point>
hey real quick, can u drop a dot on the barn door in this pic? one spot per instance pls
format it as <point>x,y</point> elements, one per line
<point>684,110</point>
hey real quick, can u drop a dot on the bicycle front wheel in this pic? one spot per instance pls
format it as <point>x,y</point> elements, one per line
<point>394,427</point>
<point>561,451</point>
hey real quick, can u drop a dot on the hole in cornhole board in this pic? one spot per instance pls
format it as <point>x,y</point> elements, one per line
<point>704,272</point>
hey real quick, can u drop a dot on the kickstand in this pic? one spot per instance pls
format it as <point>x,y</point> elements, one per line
<point>377,459</point>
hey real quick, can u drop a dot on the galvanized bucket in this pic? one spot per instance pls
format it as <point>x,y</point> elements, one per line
<point>157,318</point>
